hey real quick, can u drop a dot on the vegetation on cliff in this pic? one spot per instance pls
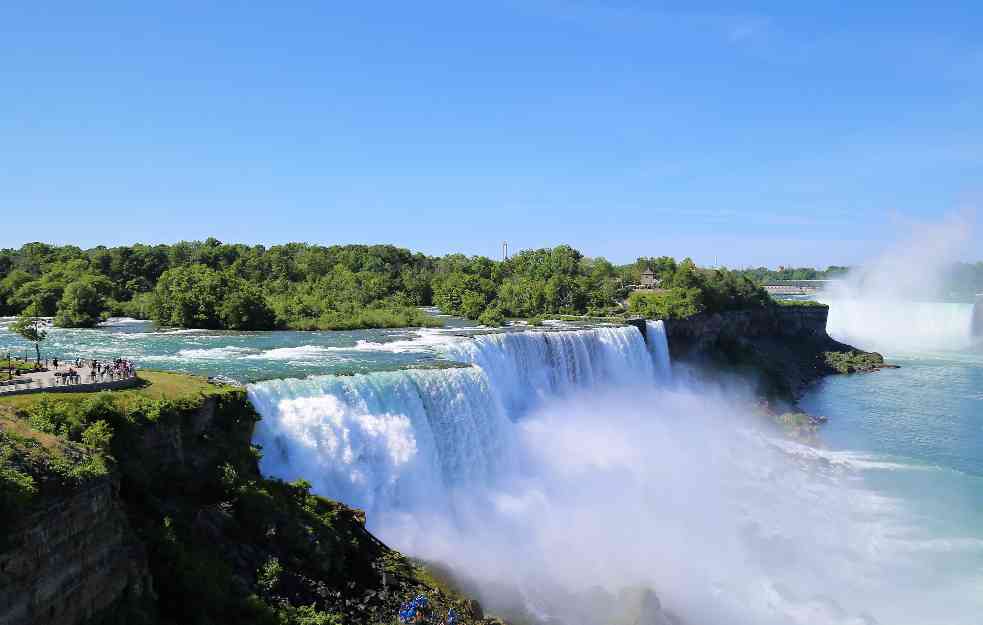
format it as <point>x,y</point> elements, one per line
<point>853,361</point>
<point>800,303</point>
<point>224,544</point>
<point>688,290</point>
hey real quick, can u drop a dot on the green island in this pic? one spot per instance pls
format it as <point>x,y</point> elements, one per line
<point>186,529</point>
<point>214,285</point>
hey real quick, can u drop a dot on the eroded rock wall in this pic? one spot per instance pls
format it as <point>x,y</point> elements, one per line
<point>71,559</point>
<point>781,347</point>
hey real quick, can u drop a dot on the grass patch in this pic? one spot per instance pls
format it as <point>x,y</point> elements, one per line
<point>800,303</point>
<point>15,367</point>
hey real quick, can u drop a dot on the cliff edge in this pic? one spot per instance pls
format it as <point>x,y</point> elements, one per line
<point>781,348</point>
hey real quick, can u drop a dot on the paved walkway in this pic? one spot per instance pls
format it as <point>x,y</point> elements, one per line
<point>49,381</point>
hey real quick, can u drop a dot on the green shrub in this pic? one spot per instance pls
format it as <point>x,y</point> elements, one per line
<point>17,488</point>
<point>98,436</point>
<point>853,361</point>
<point>492,317</point>
<point>675,303</point>
<point>268,575</point>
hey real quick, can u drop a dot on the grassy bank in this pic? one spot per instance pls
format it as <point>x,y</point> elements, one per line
<point>799,303</point>
<point>14,367</point>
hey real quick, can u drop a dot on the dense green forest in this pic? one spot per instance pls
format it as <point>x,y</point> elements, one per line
<point>763,274</point>
<point>210,284</point>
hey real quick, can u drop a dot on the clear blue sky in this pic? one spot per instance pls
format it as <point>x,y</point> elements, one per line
<point>772,132</point>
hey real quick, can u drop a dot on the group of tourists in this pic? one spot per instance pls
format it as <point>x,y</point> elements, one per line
<point>70,372</point>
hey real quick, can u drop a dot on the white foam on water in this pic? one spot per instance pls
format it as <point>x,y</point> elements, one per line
<point>424,341</point>
<point>215,353</point>
<point>122,321</point>
<point>306,353</point>
<point>848,459</point>
<point>160,333</point>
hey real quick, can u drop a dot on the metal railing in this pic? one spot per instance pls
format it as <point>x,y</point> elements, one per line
<point>64,382</point>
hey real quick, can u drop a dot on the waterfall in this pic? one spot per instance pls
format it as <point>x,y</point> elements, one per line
<point>658,344</point>
<point>403,440</point>
<point>385,440</point>
<point>977,331</point>
<point>552,463</point>
<point>524,368</point>
<point>895,325</point>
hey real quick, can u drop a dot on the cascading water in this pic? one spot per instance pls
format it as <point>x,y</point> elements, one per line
<point>553,463</point>
<point>384,441</point>
<point>658,343</point>
<point>403,440</point>
<point>525,368</point>
<point>898,325</point>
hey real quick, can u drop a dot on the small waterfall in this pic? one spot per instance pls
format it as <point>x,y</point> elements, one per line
<point>658,343</point>
<point>403,440</point>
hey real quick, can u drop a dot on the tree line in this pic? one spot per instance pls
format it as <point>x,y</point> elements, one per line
<point>214,285</point>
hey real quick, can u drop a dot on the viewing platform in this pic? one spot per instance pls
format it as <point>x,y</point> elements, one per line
<point>60,382</point>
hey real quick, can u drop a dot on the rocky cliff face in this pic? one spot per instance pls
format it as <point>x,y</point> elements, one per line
<point>784,348</point>
<point>702,332</point>
<point>71,559</point>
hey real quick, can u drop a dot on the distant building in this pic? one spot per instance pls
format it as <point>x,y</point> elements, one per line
<point>650,280</point>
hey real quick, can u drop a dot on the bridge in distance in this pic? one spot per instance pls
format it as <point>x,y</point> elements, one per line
<point>796,287</point>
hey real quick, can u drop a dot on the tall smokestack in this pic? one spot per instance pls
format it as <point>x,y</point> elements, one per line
<point>505,250</point>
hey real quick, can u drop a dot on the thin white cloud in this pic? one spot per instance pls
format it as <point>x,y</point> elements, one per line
<point>728,27</point>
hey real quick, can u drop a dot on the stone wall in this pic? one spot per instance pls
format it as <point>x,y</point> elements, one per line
<point>72,558</point>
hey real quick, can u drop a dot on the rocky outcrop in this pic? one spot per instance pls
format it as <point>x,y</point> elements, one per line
<point>71,559</point>
<point>783,348</point>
